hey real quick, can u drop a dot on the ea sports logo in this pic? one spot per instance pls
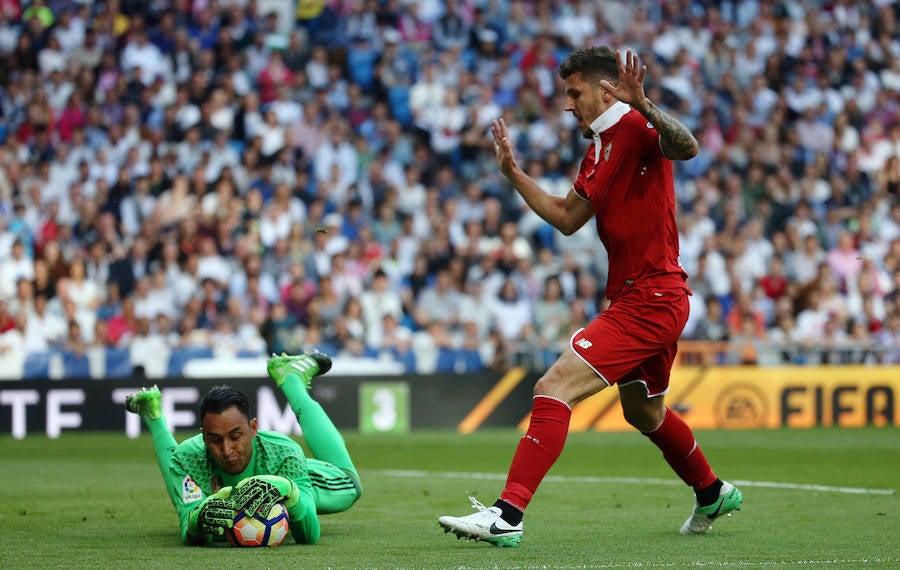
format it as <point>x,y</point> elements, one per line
<point>741,406</point>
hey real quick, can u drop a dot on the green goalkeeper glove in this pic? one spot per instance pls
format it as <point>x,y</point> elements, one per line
<point>215,514</point>
<point>261,492</point>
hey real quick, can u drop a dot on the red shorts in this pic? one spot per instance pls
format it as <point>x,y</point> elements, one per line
<point>635,340</point>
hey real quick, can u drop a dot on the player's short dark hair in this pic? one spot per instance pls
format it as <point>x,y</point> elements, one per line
<point>594,63</point>
<point>220,398</point>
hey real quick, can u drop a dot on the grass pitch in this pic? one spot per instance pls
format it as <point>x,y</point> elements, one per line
<point>821,498</point>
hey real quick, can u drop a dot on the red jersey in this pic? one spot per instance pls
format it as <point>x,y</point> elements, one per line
<point>629,183</point>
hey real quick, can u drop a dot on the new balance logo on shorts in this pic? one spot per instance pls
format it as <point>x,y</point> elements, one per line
<point>584,343</point>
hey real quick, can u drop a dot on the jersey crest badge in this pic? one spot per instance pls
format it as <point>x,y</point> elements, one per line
<point>606,150</point>
<point>190,491</point>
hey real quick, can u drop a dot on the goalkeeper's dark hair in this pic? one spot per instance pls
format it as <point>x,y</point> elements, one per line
<point>220,398</point>
<point>594,63</point>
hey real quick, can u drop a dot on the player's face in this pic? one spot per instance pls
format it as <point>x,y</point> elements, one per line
<point>585,101</point>
<point>229,438</point>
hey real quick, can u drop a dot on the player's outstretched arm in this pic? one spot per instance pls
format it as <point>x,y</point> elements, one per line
<point>565,214</point>
<point>676,140</point>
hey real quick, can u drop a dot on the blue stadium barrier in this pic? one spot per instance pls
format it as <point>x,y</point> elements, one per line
<point>118,363</point>
<point>407,359</point>
<point>548,357</point>
<point>245,353</point>
<point>471,360</point>
<point>75,366</point>
<point>37,365</point>
<point>180,356</point>
<point>328,348</point>
<point>446,361</point>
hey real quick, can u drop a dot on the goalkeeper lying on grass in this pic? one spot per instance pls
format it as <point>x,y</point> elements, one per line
<point>232,466</point>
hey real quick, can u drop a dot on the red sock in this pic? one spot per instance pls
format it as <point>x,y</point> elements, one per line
<point>538,450</point>
<point>676,441</point>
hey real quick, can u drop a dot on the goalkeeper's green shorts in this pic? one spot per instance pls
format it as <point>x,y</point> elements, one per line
<point>336,490</point>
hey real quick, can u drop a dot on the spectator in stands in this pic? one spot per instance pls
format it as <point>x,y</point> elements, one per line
<point>83,292</point>
<point>774,282</point>
<point>713,327</point>
<point>552,317</point>
<point>439,302</point>
<point>744,344</point>
<point>122,326</point>
<point>13,349</point>
<point>379,299</point>
<point>512,314</point>
<point>742,309</point>
<point>14,268</point>
<point>112,128</point>
<point>426,93</point>
<point>391,336</point>
<point>74,341</point>
<point>44,330</point>
<point>844,259</point>
<point>41,282</point>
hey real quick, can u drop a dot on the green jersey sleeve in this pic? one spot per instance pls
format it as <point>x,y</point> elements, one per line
<point>189,481</point>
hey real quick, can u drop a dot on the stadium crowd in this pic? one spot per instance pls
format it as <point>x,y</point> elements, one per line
<point>204,173</point>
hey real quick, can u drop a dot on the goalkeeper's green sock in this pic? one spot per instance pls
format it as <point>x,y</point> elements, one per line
<point>322,437</point>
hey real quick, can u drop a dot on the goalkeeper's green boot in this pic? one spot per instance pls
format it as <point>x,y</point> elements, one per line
<point>307,366</point>
<point>146,403</point>
<point>701,519</point>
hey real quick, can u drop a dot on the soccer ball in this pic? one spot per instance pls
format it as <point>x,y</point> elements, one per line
<point>260,530</point>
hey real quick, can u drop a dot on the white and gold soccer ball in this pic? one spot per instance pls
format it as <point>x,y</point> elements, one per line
<point>259,529</point>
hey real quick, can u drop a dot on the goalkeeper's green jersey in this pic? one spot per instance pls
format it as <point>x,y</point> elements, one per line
<point>193,476</point>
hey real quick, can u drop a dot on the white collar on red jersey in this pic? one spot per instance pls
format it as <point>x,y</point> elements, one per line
<point>607,119</point>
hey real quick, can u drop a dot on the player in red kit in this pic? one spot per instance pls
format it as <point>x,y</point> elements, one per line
<point>624,183</point>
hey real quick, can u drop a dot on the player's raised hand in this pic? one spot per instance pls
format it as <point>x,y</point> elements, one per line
<point>630,88</point>
<point>503,148</point>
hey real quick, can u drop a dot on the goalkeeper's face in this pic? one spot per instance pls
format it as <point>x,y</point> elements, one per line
<point>229,439</point>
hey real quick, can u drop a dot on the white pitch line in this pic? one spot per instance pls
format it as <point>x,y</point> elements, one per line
<point>416,474</point>
<point>840,563</point>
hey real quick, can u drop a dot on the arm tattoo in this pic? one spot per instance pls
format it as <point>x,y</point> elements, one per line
<point>676,140</point>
